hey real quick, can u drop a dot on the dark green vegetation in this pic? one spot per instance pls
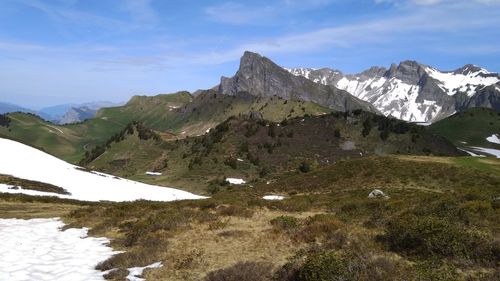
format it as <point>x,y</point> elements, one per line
<point>33,185</point>
<point>4,121</point>
<point>472,126</point>
<point>440,222</point>
<point>255,149</point>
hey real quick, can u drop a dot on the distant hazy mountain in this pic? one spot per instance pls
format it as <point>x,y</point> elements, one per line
<point>8,107</point>
<point>72,113</point>
<point>415,92</point>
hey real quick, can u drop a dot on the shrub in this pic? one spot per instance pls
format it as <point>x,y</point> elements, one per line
<point>231,162</point>
<point>4,120</point>
<point>272,130</point>
<point>243,271</point>
<point>305,167</point>
<point>325,266</point>
<point>367,127</point>
<point>336,133</point>
<point>285,222</point>
<point>427,236</point>
<point>318,227</point>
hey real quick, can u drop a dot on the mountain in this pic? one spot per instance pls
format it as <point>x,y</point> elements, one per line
<point>8,107</point>
<point>77,114</point>
<point>415,92</point>
<point>72,112</point>
<point>259,76</point>
<point>252,148</point>
<point>24,162</point>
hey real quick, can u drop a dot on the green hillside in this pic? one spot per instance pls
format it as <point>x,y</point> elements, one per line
<point>66,142</point>
<point>255,149</point>
<point>472,126</point>
<point>179,113</point>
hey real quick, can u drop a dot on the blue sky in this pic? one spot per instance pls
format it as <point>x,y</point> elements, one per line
<point>61,51</point>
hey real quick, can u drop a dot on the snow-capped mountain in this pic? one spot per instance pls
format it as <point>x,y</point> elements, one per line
<point>415,92</point>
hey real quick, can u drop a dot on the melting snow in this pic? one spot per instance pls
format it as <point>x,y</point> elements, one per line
<point>471,153</point>
<point>25,162</point>
<point>153,174</point>
<point>134,272</point>
<point>235,181</point>
<point>37,250</point>
<point>490,151</point>
<point>273,197</point>
<point>494,139</point>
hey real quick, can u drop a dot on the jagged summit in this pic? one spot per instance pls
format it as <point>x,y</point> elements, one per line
<point>416,92</point>
<point>259,76</point>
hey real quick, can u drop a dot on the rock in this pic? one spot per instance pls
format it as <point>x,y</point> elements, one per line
<point>260,77</point>
<point>377,193</point>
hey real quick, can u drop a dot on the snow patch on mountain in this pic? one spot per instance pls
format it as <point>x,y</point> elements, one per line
<point>493,139</point>
<point>411,91</point>
<point>26,162</point>
<point>489,151</point>
<point>469,83</point>
<point>392,97</point>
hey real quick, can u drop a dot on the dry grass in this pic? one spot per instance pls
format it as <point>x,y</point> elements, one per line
<point>199,250</point>
<point>34,210</point>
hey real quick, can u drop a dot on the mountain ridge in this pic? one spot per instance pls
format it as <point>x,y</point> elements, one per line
<point>413,91</point>
<point>261,77</point>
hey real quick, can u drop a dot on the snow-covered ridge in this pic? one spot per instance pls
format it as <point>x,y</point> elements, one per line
<point>410,91</point>
<point>26,162</point>
<point>453,83</point>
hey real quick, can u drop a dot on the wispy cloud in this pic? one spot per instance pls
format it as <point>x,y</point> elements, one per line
<point>239,13</point>
<point>64,12</point>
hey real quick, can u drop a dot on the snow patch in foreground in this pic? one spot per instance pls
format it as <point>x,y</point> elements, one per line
<point>273,197</point>
<point>36,249</point>
<point>134,272</point>
<point>26,162</point>
<point>493,139</point>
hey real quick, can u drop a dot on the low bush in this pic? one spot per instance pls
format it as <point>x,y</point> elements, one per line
<point>243,271</point>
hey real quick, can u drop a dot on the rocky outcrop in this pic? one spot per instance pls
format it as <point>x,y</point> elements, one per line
<point>259,76</point>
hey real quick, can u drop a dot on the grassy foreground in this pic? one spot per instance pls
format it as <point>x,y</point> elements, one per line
<point>439,222</point>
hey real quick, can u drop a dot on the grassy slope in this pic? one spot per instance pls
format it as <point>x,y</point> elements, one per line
<point>193,238</point>
<point>472,126</point>
<point>66,142</point>
<point>179,113</point>
<point>195,163</point>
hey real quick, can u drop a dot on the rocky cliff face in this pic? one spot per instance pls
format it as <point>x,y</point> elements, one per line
<point>415,92</point>
<point>259,76</point>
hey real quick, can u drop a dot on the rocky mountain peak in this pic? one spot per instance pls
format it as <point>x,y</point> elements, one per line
<point>259,76</point>
<point>468,69</point>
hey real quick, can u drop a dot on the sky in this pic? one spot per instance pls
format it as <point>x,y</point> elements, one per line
<point>72,51</point>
